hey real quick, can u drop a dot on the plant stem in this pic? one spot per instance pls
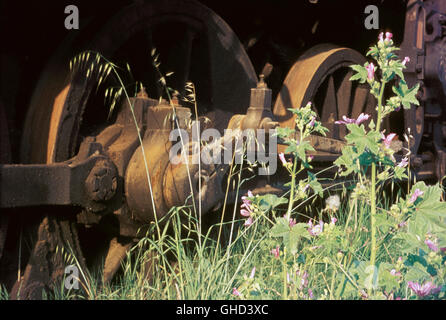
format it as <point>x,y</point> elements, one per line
<point>373,178</point>
<point>293,186</point>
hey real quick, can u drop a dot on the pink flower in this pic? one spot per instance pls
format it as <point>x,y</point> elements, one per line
<point>235,292</point>
<point>431,245</point>
<point>370,71</point>
<point>423,290</point>
<point>389,36</point>
<point>403,162</point>
<point>406,60</point>
<point>248,222</point>
<point>362,117</point>
<point>395,273</point>
<point>316,229</point>
<point>282,158</point>
<point>303,279</point>
<point>417,193</point>
<point>402,224</point>
<point>310,158</point>
<point>245,213</point>
<point>333,220</point>
<point>276,252</point>
<point>310,293</point>
<point>247,205</point>
<point>381,37</point>
<point>387,140</point>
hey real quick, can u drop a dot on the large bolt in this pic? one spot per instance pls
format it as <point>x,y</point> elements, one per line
<point>101,183</point>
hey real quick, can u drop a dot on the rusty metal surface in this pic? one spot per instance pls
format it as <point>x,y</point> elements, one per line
<point>86,181</point>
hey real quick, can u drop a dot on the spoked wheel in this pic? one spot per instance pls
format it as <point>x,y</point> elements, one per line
<point>193,42</point>
<point>321,75</point>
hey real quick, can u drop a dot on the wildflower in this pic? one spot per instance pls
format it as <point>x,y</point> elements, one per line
<point>311,124</point>
<point>389,36</point>
<point>423,290</point>
<point>303,279</point>
<point>417,193</point>
<point>362,117</point>
<point>253,272</point>
<point>282,158</point>
<point>370,71</point>
<point>245,213</point>
<point>381,37</point>
<point>406,60</point>
<point>402,224</point>
<point>332,203</point>
<point>235,292</point>
<point>431,245</point>
<point>388,139</point>
<point>292,222</point>
<point>316,229</point>
<point>403,162</point>
<point>276,252</point>
<point>395,273</point>
<point>248,222</point>
<point>310,293</point>
<point>310,158</point>
<point>246,207</point>
<point>333,220</point>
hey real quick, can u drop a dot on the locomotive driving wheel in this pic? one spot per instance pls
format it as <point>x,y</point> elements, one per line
<point>193,42</point>
<point>321,76</point>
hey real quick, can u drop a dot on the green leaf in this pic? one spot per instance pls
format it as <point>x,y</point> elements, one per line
<point>361,73</point>
<point>408,96</point>
<point>361,139</point>
<point>270,201</point>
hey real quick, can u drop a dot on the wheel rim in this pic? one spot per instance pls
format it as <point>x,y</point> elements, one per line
<point>321,75</point>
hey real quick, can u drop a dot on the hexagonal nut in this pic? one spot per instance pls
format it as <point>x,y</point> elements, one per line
<point>101,183</point>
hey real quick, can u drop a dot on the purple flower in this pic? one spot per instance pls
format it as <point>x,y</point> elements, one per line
<point>316,229</point>
<point>276,252</point>
<point>402,224</point>
<point>406,60</point>
<point>248,222</point>
<point>423,290</point>
<point>403,162</point>
<point>417,193</point>
<point>310,158</point>
<point>310,293</point>
<point>292,222</point>
<point>311,124</point>
<point>303,280</point>
<point>235,292</point>
<point>333,220</point>
<point>246,207</point>
<point>431,245</point>
<point>389,36</point>
<point>362,117</point>
<point>370,71</point>
<point>388,139</point>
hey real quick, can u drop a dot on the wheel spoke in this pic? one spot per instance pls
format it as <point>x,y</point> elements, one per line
<point>359,101</point>
<point>343,98</point>
<point>329,110</point>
